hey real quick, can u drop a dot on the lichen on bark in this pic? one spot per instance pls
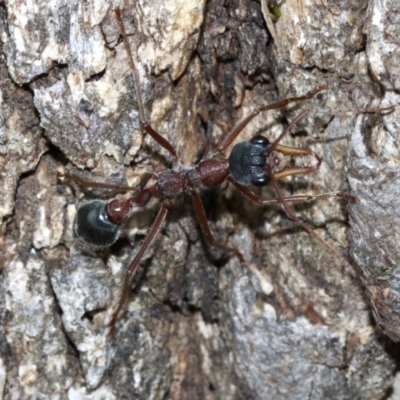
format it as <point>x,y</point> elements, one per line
<point>294,323</point>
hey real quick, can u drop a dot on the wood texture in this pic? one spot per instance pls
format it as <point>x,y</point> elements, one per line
<point>295,323</point>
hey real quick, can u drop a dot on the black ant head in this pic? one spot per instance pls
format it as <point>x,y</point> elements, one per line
<point>247,162</point>
<point>98,223</point>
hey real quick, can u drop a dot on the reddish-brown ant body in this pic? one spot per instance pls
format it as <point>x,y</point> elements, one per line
<point>254,162</point>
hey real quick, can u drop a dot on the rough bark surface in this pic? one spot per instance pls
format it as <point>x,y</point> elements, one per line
<point>295,323</point>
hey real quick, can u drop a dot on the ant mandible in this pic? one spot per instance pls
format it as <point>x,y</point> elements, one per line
<point>254,162</point>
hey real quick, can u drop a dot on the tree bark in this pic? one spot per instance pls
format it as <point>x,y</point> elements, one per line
<point>294,323</point>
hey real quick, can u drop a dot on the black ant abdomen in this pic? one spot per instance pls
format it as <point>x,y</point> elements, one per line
<point>93,225</point>
<point>247,162</point>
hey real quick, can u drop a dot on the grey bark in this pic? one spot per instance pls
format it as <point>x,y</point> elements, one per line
<point>295,323</point>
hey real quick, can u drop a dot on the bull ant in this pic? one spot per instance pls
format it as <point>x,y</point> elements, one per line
<point>254,162</point>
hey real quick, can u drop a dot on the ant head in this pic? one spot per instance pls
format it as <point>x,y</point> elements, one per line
<point>98,223</point>
<point>247,162</point>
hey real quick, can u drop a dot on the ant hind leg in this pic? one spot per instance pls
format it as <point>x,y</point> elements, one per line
<point>130,271</point>
<point>133,62</point>
<point>86,184</point>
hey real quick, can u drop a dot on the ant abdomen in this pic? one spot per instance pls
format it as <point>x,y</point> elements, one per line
<point>247,162</point>
<point>93,225</point>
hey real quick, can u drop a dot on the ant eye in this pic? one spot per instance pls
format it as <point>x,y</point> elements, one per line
<point>261,181</point>
<point>261,140</point>
<point>93,226</point>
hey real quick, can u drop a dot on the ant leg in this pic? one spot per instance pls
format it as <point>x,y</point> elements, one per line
<point>154,228</point>
<point>283,200</point>
<point>132,57</point>
<point>277,147</point>
<point>231,136</point>
<point>144,179</point>
<point>306,226</point>
<point>293,151</point>
<point>297,198</point>
<point>108,186</point>
<point>202,218</point>
<point>96,185</point>
<point>366,110</point>
<point>160,140</point>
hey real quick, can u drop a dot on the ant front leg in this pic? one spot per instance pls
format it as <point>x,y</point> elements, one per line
<point>232,135</point>
<point>290,199</point>
<point>306,226</point>
<point>154,228</point>
<point>284,200</point>
<point>202,218</point>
